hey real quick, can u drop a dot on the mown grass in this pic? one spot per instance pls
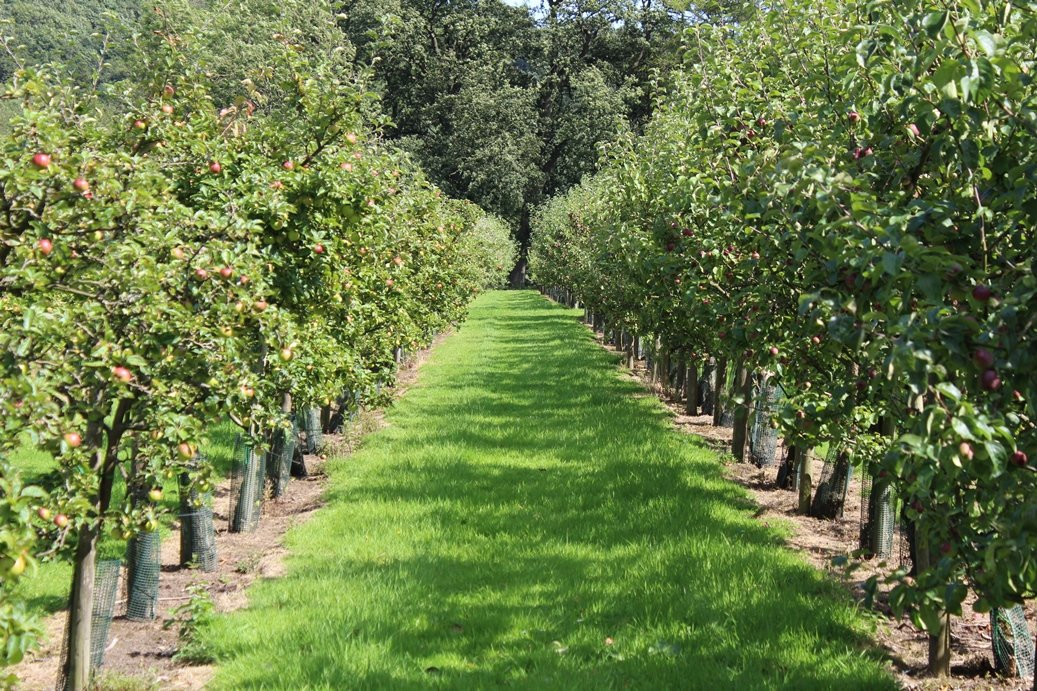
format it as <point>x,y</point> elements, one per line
<point>529,520</point>
<point>46,591</point>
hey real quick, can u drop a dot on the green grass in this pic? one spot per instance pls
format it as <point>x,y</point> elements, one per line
<point>46,591</point>
<point>524,505</point>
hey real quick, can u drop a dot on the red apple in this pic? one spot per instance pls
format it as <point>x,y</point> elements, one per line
<point>389,282</point>
<point>276,184</point>
<point>981,292</point>
<point>81,184</point>
<point>168,90</point>
<point>346,166</point>
<point>139,124</point>
<point>185,450</point>
<point>990,381</point>
<point>226,272</point>
<point>61,520</point>
<point>41,160</point>
<point>761,122</point>
<point>122,374</point>
<point>44,513</point>
<point>45,245</point>
<point>670,246</point>
<point>288,165</point>
<point>1019,458</point>
<point>260,305</point>
<point>215,167</point>
<point>351,138</point>
<point>965,451</point>
<point>318,248</point>
<point>913,129</point>
<point>73,439</point>
<point>201,274</point>
<point>854,116</point>
<point>774,351</point>
<point>687,232</point>
<point>983,358</point>
<point>167,109</point>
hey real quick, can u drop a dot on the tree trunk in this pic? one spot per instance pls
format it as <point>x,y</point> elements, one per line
<point>691,388</point>
<point>939,663</point>
<point>802,463</point>
<point>742,388</point>
<point>719,383</point>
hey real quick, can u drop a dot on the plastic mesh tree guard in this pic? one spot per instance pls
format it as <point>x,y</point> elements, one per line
<point>833,484</point>
<point>763,437</point>
<point>1013,645</point>
<point>279,460</point>
<point>878,517</point>
<point>142,570</point>
<point>246,490</point>
<point>309,423</point>
<point>197,532</point>
<point>106,588</point>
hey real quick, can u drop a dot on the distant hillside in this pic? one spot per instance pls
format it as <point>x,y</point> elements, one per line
<point>72,33</point>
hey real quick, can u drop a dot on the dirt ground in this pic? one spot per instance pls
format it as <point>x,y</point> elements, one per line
<point>821,541</point>
<point>140,655</point>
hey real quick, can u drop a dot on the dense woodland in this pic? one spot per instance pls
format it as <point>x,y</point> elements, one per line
<point>503,106</point>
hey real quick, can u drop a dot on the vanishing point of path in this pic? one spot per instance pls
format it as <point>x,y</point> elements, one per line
<point>530,519</point>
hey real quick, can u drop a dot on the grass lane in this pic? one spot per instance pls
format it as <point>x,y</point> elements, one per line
<point>529,520</point>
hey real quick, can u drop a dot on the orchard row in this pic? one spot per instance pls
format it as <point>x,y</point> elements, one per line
<point>192,261</point>
<point>843,197</point>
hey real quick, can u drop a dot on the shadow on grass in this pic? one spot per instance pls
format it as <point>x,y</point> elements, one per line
<point>526,521</point>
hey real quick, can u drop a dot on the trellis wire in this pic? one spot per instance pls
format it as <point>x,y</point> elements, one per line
<point>1012,643</point>
<point>763,437</point>
<point>833,484</point>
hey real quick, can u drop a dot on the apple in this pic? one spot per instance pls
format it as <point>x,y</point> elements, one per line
<point>677,280</point>
<point>155,495</point>
<point>286,354</point>
<point>44,513</point>
<point>983,358</point>
<point>816,340</point>
<point>18,567</point>
<point>73,439</point>
<point>348,167</point>
<point>45,246</point>
<point>201,274</point>
<point>318,248</point>
<point>397,260</point>
<point>687,232</point>
<point>81,184</point>
<point>912,128</point>
<point>1019,458</point>
<point>226,272</point>
<point>276,184</point>
<point>854,116</point>
<point>774,351</point>
<point>670,246</point>
<point>168,90</point>
<point>248,391</point>
<point>288,165</point>
<point>41,160</point>
<point>122,374</point>
<point>990,381</point>
<point>185,450</point>
<point>982,292</point>
<point>139,124</point>
<point>389,282</point>
<point>761,121</point>
<point>215,167</point>
<point>178,253</point>
<point>1017,395</point>
<point>167,109</point>
<point>351,138</point>
<point>965,451</point>
<point>61,520</point>
<point>260,305</point>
